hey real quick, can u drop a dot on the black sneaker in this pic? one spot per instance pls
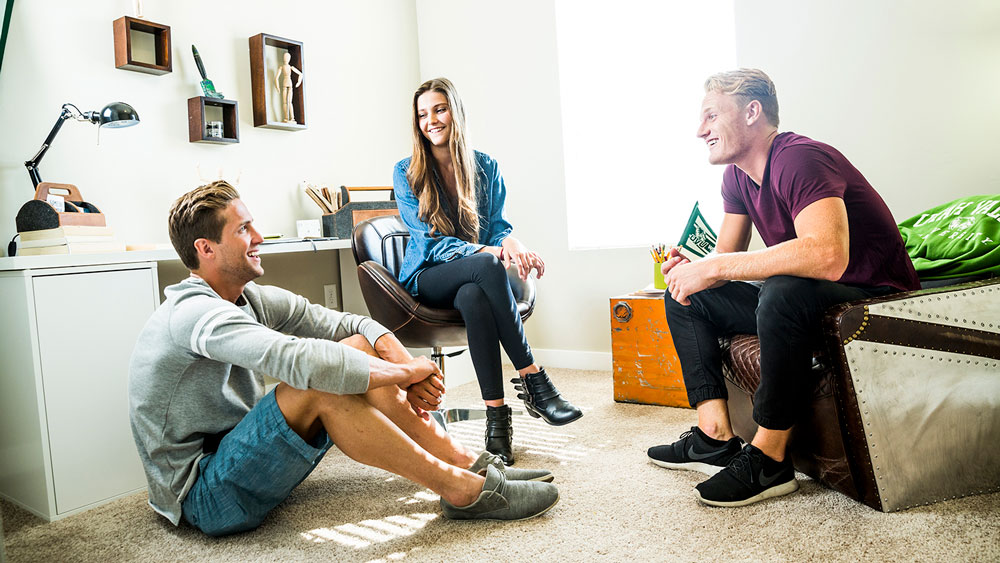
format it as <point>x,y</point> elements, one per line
<point>750,477</point>
<point>697,452</point>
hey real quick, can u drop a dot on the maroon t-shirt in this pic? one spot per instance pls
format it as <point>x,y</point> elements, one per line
<point>801,171</point>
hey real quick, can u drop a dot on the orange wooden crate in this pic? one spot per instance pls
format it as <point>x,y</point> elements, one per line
<point>644,362</point>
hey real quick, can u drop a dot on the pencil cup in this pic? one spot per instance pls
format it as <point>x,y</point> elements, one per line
<point>658,282</point>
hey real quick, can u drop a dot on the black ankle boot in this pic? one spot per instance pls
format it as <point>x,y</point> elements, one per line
<point>499,433</point>
<point>542,399</point>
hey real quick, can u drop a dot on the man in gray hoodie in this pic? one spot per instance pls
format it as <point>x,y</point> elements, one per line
<point>221,453</point>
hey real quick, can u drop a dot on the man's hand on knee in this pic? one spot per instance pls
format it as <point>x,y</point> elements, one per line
<point>425,395</point>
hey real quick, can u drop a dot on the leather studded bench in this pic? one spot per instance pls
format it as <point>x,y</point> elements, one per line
<point>905,404</point>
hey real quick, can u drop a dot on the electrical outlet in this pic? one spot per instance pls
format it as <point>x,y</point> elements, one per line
<point>331,296</point>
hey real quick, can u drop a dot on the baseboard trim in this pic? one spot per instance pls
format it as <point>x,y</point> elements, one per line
<point>572,359</point>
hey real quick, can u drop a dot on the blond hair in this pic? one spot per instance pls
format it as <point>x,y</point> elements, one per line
<point>421,172</point>
<point>747,84</point>
<point>198,214</point>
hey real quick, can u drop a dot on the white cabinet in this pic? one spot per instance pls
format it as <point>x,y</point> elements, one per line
<point>68,333</point>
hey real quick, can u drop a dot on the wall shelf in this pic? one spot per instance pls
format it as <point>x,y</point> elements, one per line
<point>262,82</point>
<point>197,122</point>
<point>124,59</point>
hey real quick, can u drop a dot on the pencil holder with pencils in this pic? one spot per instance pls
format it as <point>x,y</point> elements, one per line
<point>658,252</point>
<point>658,282</point>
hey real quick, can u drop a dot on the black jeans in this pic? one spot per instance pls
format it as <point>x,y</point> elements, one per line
<point>477,286</point>
<point>785,314</point>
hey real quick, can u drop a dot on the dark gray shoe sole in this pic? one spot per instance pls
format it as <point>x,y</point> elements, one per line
<point>537,514</point>
<point>538,414</point>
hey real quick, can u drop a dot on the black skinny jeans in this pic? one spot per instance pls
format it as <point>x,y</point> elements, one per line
<point>477,286</point>
<point>785,314</point>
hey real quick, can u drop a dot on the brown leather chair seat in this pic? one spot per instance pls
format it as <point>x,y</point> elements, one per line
<point>379,245</point>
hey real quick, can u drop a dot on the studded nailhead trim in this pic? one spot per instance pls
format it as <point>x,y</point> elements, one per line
<point>879,475</point>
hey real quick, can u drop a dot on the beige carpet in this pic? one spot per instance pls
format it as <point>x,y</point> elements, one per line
<point>614,506</point>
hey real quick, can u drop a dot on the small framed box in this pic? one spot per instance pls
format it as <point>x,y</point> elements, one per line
<point>645,367</point>
<point>220,130</point>
<point>126,29</point>
<point>262,81</point>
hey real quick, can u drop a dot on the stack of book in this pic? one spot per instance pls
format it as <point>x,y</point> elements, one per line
<point>68,239</point>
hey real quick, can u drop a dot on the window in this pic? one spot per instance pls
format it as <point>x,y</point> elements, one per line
<point>631,81</point>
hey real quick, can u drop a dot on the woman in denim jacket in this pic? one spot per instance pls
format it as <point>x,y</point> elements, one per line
<point>452,200</point>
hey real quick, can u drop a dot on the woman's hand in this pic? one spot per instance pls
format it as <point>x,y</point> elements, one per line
<point>526,260</point>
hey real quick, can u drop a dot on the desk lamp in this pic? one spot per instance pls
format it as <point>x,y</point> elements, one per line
<point>114,115</point>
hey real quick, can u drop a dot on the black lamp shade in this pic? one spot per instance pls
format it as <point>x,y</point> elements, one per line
<point>117,114</point>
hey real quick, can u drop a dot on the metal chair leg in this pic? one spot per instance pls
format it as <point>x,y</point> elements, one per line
<point>444,415</point>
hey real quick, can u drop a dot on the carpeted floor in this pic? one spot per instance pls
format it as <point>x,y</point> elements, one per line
<point>614,506</point>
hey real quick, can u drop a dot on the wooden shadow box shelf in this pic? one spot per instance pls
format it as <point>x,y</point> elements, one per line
<point>198,123</point>
<point>262,81</point>
<point>124,27</point>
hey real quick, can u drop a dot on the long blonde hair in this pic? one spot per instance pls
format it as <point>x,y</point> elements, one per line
<point>422,164</point>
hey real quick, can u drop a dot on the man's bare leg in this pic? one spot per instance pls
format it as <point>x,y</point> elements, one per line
<point>772,442</point>
<point>366,435</point>
<point>698,453</point>
<point>713,419</point>
<point>428,433</point>
<point>391,401</point>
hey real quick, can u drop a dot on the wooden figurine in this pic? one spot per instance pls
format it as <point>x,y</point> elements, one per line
<point>283,82</point>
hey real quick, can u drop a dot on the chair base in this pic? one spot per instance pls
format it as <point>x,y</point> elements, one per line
<point>445,415</point>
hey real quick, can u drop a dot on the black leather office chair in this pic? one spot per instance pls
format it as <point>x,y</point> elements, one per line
<point>379,244</point>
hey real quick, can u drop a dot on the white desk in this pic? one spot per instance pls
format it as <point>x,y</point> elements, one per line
<point>63,260</point>
<point>69,325</point>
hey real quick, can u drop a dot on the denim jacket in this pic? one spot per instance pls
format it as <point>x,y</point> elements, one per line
<point>426,249</point>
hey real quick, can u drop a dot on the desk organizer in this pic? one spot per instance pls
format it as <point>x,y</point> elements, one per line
<point>341,223</point>
<point>38,214</point>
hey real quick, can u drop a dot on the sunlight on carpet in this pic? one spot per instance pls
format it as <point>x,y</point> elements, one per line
<point>395,556</point>
<point>368,532</point>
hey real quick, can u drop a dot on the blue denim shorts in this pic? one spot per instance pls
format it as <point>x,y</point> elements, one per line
<point>257,465</point>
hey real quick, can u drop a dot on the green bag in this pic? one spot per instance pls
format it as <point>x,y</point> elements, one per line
<point>960,238</point>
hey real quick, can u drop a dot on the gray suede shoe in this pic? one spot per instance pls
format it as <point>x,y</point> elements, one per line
<point>512,473</point>
<point>505,500</point>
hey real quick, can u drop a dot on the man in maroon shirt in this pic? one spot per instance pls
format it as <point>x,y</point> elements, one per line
<point>830,239</point>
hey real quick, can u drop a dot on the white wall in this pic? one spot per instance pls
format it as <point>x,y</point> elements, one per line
<point>906,91</point>
<point>360,67</point>
<point>908,94</point>
<point>505,70</point>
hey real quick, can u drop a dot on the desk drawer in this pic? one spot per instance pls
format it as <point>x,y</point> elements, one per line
<point>644,363</point>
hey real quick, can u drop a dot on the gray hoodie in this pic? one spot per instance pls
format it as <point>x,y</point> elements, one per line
<point>198,365</point>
